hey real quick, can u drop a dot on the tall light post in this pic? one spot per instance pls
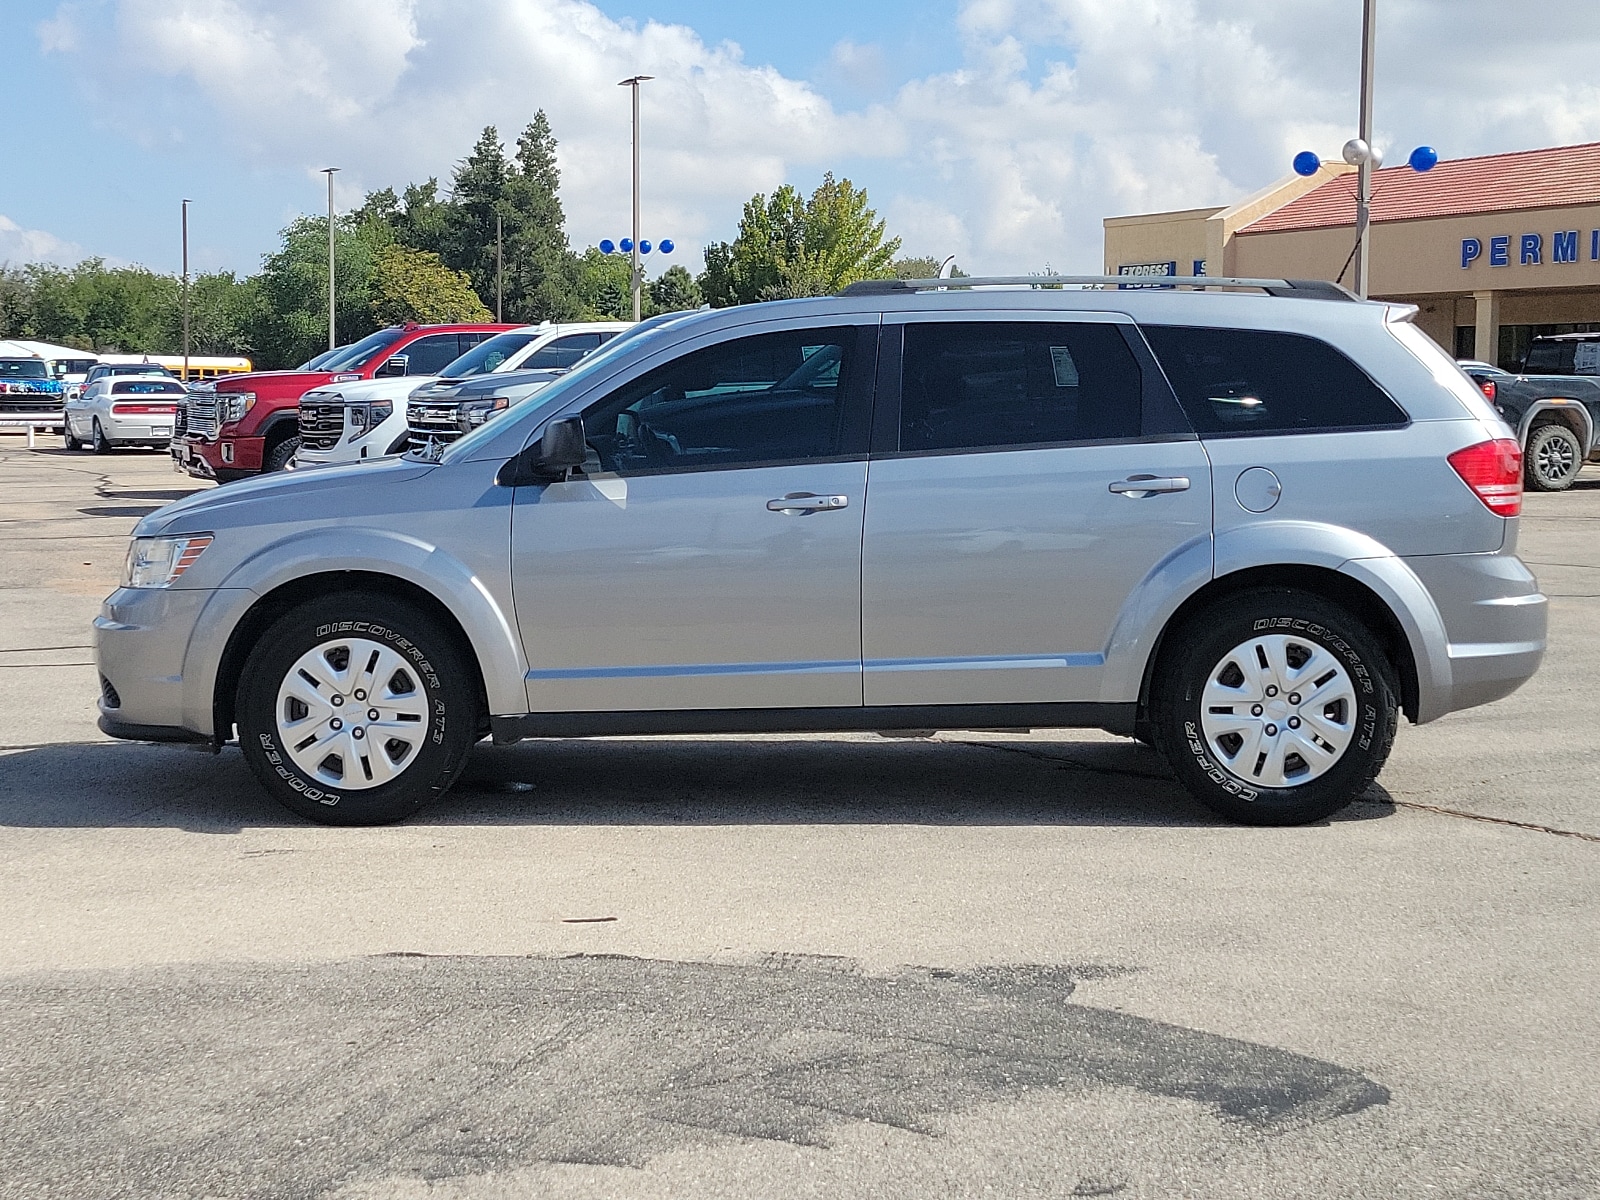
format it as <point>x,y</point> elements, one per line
<point>186,291</point>
<point>499,268</point>
<point>1369,29</point>
<point>638,271</point>
<point>332,340</point>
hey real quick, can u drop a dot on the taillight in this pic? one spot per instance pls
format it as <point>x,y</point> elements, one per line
<point>1493,470</point>
<point>1488,388</point>
<point>131,410</point>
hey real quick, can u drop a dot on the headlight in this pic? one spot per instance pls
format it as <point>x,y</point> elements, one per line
<point>368,416</point>
<point>472,413</point>
<point>232,406</point>
<point>155,562</point>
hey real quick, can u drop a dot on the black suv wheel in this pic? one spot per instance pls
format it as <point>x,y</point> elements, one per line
<point>1275,707</point>
<point>356,709</point>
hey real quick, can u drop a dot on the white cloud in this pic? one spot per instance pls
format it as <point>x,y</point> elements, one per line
<point>1063,111</point>
<point>19,245</point>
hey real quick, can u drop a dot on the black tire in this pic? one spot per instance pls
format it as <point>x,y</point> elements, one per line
<point>70,438</point>
<point>278,457</point>
<point>1198,652</point>
<point>99,442</point>
<point>440,679</point>
<point>1553,458</point>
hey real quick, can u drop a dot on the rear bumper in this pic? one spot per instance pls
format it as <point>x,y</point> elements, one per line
<point>1495,619</point>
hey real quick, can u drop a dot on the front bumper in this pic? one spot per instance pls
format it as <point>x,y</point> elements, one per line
<point>142,646</point>
<point>205,460</point>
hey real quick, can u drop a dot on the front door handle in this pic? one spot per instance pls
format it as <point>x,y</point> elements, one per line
<point>807,502</point>
<point>1137,486</point>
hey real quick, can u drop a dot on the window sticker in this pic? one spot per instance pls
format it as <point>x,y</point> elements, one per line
<point>1586,358</point>
<point>1066,369</point>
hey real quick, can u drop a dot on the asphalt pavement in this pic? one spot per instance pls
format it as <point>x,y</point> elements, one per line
<point>974,965</point>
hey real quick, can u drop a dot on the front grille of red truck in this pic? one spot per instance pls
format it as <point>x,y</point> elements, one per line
<point>202,416</point>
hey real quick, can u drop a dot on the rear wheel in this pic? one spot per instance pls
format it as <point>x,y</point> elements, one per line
<point>98,439</point>
<point>1275,707</point>
<point>278,457</point>
<point>1553,458</point>
<point>356,709</point>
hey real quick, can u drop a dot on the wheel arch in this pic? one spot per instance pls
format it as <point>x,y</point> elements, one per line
<point>1558,411</point>
<point>259,617</point>
<point>1335,585</point>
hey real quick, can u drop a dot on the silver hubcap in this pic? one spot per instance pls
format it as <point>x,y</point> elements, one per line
<point>1278,711</point>
<point>352,714</point>
<point>1556,458</point>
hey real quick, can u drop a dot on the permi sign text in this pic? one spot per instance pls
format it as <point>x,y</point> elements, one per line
<point>1563,248</point>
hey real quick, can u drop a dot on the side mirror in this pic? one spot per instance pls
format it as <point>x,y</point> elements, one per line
<point>395,366</point>
<point>561,448</point>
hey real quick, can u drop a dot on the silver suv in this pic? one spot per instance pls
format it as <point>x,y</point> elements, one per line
<point>1250,529</point>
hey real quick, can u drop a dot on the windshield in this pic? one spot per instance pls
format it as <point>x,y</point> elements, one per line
<point>488,355</point>
<point>139,369</point>
<point>575,379</point>
<point>321,360</point>
<point>357,356</point>
<point>23,368</point>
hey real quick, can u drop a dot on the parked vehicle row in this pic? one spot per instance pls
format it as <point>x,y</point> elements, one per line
<point>1169,514</point>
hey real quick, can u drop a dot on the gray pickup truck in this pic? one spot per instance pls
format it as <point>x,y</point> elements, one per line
<point>1554,406</point>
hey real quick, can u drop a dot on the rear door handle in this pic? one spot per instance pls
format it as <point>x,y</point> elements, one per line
<point>807,502</point>
<point>1148,485</point>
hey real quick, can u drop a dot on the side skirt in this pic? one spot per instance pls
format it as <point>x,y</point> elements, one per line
<point>1113,718</point>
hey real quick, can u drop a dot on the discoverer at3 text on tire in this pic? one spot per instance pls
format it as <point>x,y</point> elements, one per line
<point>1275,707</point>
<point>356,709</point>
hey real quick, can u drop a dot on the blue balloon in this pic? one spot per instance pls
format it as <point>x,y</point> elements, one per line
<point>1423,158</point>
<point>607,246</point>
<point>644,246</point>
<point>666,246</point>
<point>1307,163</point>
<point>627,245</point>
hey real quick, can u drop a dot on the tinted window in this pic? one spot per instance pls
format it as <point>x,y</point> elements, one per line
<point>428,355</point>
<point>778,397</point>
<point>972,385</point>
<point>23,368</point>
<point>487,355</point>
<point>147,387</point>
<point>1249,381</point>
<point>359,354</point>
<point>562,353</point>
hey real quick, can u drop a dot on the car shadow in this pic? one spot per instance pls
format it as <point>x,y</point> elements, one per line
<point>953,780</point>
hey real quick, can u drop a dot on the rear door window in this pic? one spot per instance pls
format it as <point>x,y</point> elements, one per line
<point>1248,381</point>
<point>562,353</point>
<point>428,355</point>
<point>979,385</point>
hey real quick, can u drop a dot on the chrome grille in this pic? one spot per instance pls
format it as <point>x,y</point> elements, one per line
<point>432,424</point>
<point>180,419</point>
<point>202,416</point>
<point>321,425</point>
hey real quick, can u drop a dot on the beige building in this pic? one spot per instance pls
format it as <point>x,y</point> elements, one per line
<point>1492,250</point>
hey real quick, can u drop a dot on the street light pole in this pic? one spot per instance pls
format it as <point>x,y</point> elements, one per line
<point>638,271</point>
<point>186,291</point>
<point>1369,23</point>
<point>332,340</point>
<point>499,268</point>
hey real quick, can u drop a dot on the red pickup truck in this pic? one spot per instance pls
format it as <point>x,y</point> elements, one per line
<point>249,424</point>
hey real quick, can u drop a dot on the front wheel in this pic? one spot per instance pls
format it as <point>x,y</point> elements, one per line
<point>356,709</point>
<point>278,457</point>
<point>72,440</point>
<point>1275,707</point>
<point>1553,458</point>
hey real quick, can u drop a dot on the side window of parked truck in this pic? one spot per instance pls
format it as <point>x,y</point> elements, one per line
<point>1244,381</point>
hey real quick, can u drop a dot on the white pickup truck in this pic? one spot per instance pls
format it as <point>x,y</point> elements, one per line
<point>348,422</point>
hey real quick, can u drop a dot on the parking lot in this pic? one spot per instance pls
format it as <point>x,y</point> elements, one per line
<point>977,964</point>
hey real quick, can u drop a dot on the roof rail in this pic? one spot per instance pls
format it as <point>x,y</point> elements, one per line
<point>1306,289</point>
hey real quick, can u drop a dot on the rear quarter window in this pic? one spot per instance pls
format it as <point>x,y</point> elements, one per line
<point>1248,381</point>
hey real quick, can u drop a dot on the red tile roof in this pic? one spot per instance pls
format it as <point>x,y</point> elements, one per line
<point>1559,176</point>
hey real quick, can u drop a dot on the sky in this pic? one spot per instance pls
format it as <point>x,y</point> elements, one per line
<point>1001,131</point>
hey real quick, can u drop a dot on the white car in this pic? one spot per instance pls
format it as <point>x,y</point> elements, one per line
<point>347,422</point>
<point>123,410</point>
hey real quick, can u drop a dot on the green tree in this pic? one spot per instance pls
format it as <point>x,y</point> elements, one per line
<point>674,291</point>
<point>413,285</point>
<point>604,288</point>
<point>788,246</point>
<point>292,320</point>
